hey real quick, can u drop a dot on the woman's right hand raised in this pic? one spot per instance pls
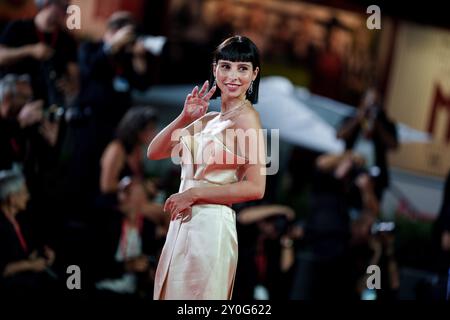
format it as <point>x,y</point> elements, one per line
<point>197,102</point>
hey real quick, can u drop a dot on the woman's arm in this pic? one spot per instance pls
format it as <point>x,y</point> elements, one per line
<point>35,265</point>
<point>195,107</point>
<point>256,213</point>
<point>251,187</point>
<point>112,162</point>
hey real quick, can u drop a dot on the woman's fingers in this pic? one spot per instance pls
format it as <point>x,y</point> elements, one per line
<point>195,92</point>
<point>203,89</point>
<point>210,93</point>
<point>168,205</point>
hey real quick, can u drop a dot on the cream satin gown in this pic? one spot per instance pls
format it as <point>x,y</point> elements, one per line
<point>199,258</point>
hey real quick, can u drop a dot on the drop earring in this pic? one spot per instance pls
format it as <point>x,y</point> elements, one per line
<point>250,89</point>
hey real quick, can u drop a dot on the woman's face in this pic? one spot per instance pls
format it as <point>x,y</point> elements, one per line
<point>20,199</point>
<point>234,78</point>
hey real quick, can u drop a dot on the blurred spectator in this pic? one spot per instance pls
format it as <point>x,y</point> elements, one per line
<point>266,252</point>
<point>110,70</point>
<point>125,250</point>
<point>256,18</point>
<point>29,138</point>
<point>382,254</point>
<point>124,157</point>
<point>42,48</point>
<point>371,133</point>
<point>441,233</point>
<point>24,132</point>
<point>186,55</point>
<point>24,268</point>
<point>327,64</point>
<point>360,67</point>
<point>340,187</point>
<point>222,27</point>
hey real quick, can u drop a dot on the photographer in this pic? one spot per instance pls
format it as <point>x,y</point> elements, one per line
<point>110,70</point>
<point>343,207</point>
<point>371,133</point>
<point>26,135</point>
<point>42,48</point>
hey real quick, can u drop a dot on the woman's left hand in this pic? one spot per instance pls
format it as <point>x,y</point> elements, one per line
<point>179,203</point>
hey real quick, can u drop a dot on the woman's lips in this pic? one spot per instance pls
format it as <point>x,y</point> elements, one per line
<point>232,87</point>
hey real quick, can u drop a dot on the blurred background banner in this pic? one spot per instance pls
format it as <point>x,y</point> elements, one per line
<point>419,95</point>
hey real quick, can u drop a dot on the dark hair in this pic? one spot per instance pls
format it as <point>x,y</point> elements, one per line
<point>134,122</point>
<point>41,4</point>
<point>119,20</point>
<point>238,48</point>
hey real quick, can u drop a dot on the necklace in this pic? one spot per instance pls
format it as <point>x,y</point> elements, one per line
<point>227,114</point>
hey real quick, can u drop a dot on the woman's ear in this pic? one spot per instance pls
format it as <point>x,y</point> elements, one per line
<point>255,73</point>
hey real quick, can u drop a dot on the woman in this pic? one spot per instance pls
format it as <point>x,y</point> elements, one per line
<point>24,268</point>
<point>199,258</point>
<point>123,155</point>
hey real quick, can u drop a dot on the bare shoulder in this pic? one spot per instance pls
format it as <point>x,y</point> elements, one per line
<point>249,119</point>
<point>115,148</point>
<point>115,151</point>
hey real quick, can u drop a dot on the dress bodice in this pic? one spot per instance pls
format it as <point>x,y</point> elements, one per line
<point>205,158</point>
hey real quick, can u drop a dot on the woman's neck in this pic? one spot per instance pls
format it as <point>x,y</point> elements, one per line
<point>230,103</point>
<point>9,212</point>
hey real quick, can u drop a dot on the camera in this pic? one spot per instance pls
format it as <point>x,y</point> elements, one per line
<point>380,227</point>
<point>54,113</point>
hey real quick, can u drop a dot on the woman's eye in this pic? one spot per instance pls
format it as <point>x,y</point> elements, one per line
<point>225,67</point>
<point>243,69</point>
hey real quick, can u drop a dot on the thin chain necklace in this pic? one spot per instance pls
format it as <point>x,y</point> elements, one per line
<point>226,114</point>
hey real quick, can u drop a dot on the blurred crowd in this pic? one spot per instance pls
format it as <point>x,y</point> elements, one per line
<point>75,189</point>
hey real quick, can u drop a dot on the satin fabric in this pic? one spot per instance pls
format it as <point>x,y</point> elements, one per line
<point>200,255</point>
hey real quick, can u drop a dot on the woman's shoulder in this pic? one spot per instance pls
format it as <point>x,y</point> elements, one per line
<point>114,150</point>
<point>116,146</point>
<point>249,118</point>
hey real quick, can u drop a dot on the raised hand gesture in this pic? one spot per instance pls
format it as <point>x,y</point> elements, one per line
<point>197,102</point>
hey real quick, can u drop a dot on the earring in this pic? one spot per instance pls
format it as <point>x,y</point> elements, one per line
<point>250,89</point>
<point>214,83</point>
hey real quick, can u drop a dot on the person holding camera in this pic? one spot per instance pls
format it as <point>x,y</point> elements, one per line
<point>42,48</point>
<point>371,133</point>
<point>343,209</point>
<point>110,70</point>
<point>26,135</point>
